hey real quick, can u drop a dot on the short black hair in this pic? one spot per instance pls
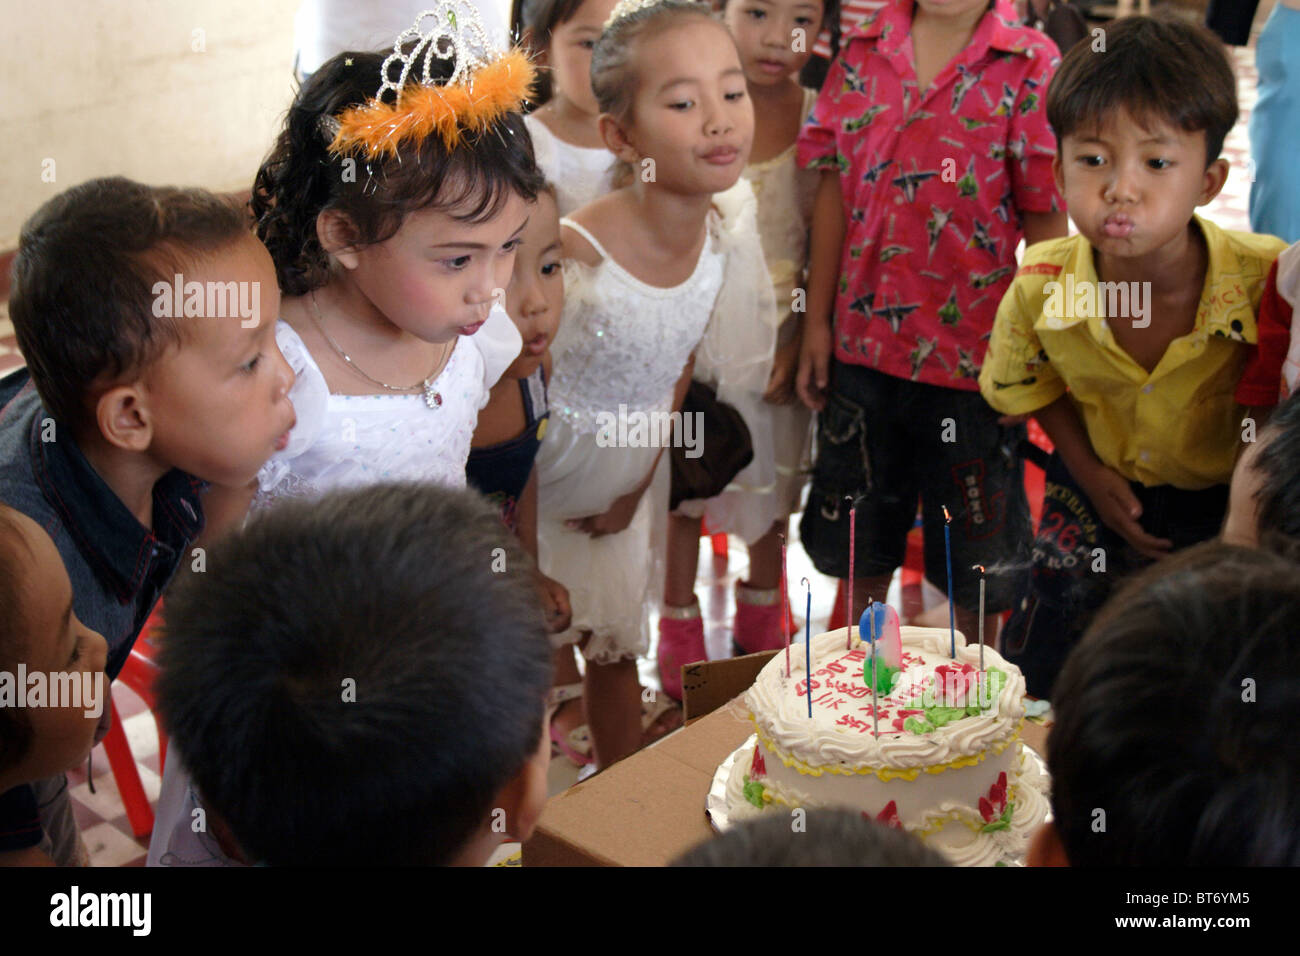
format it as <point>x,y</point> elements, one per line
<point>1278,464</point>
<point>1174,742</point>
<point>15,567</point>
<point>301,177</point>
<point>828,838</point>
<point>83,277</point>
<point>1162,68</point>
<point>417,595</point>
<point>531,25</point>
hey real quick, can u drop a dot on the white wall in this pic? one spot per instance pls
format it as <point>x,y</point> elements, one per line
<point>183,92</point>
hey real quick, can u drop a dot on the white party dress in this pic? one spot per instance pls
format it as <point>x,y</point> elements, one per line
<point>580,174</point>
<point>342,441</point>
<point>620,349</point>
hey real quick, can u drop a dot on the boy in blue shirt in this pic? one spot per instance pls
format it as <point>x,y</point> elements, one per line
<point>146,317</point>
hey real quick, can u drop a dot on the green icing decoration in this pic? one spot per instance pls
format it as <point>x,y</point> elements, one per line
<point>944,715</point>
<point>754,793</point>
<point>1001,823</point>
<point>917,725</point>
<point>884,676</point>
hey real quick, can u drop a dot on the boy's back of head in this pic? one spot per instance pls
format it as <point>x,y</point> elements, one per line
<point>1277,462</point>
<point>83,300</point>
<point>826,838</point>
<point>1174,742</point>
<point>353,680</point>
<point>1158,69</point>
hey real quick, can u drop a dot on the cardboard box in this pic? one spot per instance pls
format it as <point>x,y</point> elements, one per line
<point>649,808</point>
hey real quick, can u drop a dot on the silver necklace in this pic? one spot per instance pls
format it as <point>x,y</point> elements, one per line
<point>431,396</point>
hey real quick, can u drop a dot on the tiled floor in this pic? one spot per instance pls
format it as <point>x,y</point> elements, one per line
<point>101,815</point>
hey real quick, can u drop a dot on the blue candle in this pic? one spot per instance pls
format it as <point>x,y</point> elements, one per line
<point>875,705</point>
<point>952,607</point>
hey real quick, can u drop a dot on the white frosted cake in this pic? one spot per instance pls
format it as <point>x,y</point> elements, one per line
<point>942,758</point>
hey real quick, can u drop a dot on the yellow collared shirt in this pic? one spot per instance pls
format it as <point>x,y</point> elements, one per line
<point>1177,425</point>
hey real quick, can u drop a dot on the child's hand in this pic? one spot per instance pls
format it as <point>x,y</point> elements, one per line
<point>555,603</point>
<point>785,363</point>
<point>616,519</point>
<point>814,362</point>
<point>1119,508</point>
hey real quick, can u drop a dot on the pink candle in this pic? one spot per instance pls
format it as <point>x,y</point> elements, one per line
<point>785,604</point>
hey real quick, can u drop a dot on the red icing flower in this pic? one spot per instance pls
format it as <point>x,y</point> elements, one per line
<point>993,806</point>
<point>889,816</point>
<point>758,768</point>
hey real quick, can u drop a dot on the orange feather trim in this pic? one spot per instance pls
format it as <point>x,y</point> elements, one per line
<point>474,104</point>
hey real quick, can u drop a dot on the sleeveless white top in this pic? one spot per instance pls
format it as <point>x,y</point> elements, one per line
<point>347,440</point>
<point>621,346</point>
<point>580,174</point>
<point>785,195</point>
<point>622,341</point>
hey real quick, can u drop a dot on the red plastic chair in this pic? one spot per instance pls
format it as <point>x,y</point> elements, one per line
<point>138,674</point>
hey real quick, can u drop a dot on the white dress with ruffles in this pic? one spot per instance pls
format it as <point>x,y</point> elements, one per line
<point>621,347</point>
<point>342,441</point>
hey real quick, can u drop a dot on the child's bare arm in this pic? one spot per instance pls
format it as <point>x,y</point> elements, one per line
<point>825,248</point>
<point>554,595</point>
<point>31,856</point>
<point>1041,226</point>
<point>1108,490</point>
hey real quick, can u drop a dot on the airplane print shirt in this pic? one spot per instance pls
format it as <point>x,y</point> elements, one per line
<point>934,185</point>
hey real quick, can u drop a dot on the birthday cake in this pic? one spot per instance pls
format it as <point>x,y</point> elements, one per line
<point>938,753</point>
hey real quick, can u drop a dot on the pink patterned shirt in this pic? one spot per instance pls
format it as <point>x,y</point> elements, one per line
<point>934,186</point>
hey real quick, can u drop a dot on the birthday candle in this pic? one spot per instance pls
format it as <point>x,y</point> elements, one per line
<point>980,568</point>
<point>848,595</point>
<point>785,603</point>
<point>807,642</point>
<point>875,704</point>
<point>952,607</point>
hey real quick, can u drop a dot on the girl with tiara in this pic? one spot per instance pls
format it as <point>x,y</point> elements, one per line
<point>392,205</point>
<point>393,220</point>
<point>652,271</point>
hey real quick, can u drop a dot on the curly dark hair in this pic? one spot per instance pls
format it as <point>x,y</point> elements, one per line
<point>301,178</point>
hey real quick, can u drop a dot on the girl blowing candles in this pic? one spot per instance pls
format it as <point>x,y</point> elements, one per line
<point>644,269</point>
<point>392,218</point>
<point>391,254</point>
<point>766,34</point>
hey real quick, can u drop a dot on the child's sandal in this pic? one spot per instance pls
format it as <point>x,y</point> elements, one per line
<point>576,744</point>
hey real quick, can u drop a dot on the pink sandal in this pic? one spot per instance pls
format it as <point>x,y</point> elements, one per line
<point>576,745</point>
<point>681,642</point>
<point>758,625</point>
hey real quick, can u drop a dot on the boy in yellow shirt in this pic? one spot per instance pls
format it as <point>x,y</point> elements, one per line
<point>1126,342</point>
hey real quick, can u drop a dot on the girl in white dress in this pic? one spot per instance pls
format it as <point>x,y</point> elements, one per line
<point>565,131</point>
<point>757,506</point>
<point>393,260</point>
<point>650,272</point>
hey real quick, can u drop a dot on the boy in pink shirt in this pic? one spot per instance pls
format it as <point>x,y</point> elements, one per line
<point>937,159</point>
